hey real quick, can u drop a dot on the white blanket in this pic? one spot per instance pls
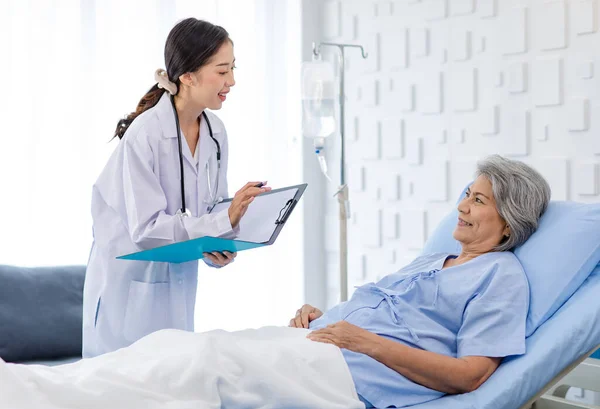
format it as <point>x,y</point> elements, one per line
<point>271,367</point>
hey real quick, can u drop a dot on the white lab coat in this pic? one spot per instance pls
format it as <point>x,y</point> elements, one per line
<point>134,205</point>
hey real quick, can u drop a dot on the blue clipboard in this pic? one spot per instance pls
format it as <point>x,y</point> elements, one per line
<point>259,227</point>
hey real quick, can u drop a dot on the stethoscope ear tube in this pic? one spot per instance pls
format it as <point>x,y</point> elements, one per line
<point>183,211</point>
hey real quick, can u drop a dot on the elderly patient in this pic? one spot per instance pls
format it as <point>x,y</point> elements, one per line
<point>442,324</point>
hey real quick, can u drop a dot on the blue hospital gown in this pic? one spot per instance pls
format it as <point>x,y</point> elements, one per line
<point>476,308</point>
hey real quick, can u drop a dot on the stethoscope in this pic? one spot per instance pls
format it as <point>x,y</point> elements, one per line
<point>214,200</point>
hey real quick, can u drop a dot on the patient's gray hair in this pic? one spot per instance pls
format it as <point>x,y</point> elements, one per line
<point>521,193</point>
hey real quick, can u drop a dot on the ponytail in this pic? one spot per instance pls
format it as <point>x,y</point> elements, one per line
<point>148,101</point>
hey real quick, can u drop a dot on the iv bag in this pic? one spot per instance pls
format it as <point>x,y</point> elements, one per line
<point>318,99</point>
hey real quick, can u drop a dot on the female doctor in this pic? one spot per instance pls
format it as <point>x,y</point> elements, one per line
<point>158,188</point>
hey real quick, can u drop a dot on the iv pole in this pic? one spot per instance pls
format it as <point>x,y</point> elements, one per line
<point>342,193</point>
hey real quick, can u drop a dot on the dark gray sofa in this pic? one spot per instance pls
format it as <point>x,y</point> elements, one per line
<point>40,314</point>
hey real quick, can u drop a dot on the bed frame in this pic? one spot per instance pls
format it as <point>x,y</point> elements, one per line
<point>583,373</point>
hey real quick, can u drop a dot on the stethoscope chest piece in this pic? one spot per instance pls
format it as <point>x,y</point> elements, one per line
<point>187,213</point>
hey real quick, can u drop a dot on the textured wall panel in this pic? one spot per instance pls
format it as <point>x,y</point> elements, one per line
<point>579,112</point>
<point>515,38</point>
<point>357,178</point>
<point>375,54</point>
<point>585,70</point>
<point>490,120</point>
<point>414,151</point>
<point>391,225</point>
<point>394,49</point>
<point>556,171</point>
<point>371,224</point>
<point>384,9</point>
<point>442,136</point>
<point>515,140</point>
<point>392,187</point>
<point>376,264</point>
<point>487,8</point>
<point>413,228</point>
<point>499,79</point>
<point>369,138</point>
<point>437,180</point>
<point>462,7</point>
<point>392,134</point>
<point>332,13</point>
<point>480,45</point>
<point>369,92</point>
<point>436,9</point>
<point>429,94</point>
<point>535,98</point>
<point>547,81</point>
<point>553,25</point>
<point>585,16</point>
<point>463,89</point>
<point>460,45</point>
<point>403,93</point>
<point>459,135</point>
<point>353,131</point>
<point>586,179</point>
<point>517,77</point>
<point>463,172</point>
<point>419,39</point>
<point>540,127</point>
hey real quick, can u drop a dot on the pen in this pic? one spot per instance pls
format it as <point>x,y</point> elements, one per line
<point>261,184</point>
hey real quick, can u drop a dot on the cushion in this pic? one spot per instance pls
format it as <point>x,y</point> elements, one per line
<point>557,258</point>
<point>40,312</point>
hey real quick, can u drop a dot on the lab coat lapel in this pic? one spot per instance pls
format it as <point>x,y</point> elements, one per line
<point>187,154</point>
<point>206,146</point>
<point>167,122</point>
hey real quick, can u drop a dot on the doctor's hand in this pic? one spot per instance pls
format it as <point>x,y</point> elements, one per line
<point>242,200</point>
<point>220,259</point>
<point>304,316</point>
<point>345,335</point>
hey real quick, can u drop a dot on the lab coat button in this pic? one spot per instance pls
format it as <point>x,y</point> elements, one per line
<point>180,281</point>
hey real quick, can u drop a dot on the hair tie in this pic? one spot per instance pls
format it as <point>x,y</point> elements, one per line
<point>162,79</point>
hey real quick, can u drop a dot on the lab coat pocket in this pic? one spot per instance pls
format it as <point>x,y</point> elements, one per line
<point>148,309</point>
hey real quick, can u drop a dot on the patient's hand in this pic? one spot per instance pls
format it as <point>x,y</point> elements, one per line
<point>304,316</point>
<point>345,335</point>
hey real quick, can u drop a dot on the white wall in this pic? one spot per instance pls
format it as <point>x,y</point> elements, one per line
<point>446,83</point>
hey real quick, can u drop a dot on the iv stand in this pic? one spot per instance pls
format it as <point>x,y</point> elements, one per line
<point>342,193</point>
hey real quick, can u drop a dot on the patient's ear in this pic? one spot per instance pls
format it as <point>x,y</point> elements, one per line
<point>506,232</point>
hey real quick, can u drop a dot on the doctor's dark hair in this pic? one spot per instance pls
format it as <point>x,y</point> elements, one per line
<point>189,46</point>
<point>522,196</point>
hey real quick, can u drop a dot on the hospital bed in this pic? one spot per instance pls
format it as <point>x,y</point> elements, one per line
<point>558,350</point>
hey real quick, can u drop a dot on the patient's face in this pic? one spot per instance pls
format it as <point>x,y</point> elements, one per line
<point>479,226</point>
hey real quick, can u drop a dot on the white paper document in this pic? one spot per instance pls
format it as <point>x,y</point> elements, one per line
<point>259,222</point>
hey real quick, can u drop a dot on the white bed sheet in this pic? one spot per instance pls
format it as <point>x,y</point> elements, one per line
<point>272,367</point>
